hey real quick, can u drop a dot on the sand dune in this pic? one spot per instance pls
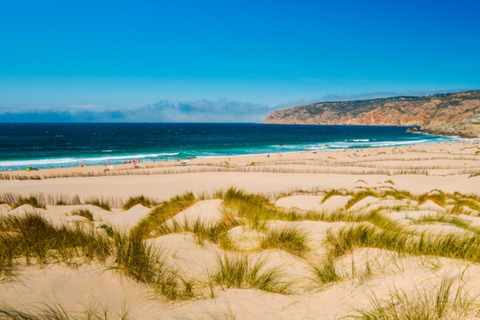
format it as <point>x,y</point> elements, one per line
<point>280,245</point>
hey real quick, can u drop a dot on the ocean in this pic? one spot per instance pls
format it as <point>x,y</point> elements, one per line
<point>67,145</point>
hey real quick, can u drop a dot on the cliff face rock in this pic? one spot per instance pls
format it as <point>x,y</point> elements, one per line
<point>440,112</point>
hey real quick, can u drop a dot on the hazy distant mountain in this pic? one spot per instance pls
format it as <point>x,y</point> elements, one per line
<point>452,113</point>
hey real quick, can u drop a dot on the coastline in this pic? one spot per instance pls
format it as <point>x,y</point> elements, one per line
<point>444,165</point>
<point>172,141</point>
<point>233,159</point>
<point>360,144</point>
<point>429,189</point>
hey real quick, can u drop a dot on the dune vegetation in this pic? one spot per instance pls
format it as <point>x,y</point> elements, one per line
<point>331,244</point>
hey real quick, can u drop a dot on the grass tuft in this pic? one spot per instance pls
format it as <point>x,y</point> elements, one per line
<point>30,201</point>
<point>135,258</point>
<point>133,201</point>
<point>255,209</point>
<point>215,233</point>
<point>449,246</point>
<point>241,272</point>
<point>83,213</point>
<point>58,312</point>
<point>446,301</point>
<point>164,212</point>
<point>289,238</point>
<point>326,273</point>
<point>100,204</point>
<point>34,238</point>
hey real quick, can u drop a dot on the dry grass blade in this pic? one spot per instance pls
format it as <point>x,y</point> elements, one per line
<point>448,300</point>
<point>55,311</point>
<point>290,239</point>
<point>241,272</point>
<point>164,212</point>
<point>144,201</point>
<point>213,232</point>
<point>83,213</point>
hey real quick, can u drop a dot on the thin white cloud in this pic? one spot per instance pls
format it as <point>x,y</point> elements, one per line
<point>221,110</point>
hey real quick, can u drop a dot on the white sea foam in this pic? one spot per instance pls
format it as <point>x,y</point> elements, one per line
<point>60,161</point>
<point>287,148</point>
<point>366,143</point>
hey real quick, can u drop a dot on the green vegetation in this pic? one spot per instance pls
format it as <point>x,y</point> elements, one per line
<point>135,258</point>
<point>30,239</point>
<point>240,272</point>
<point>57,312</point>
<point>290,239</point>
<point>448,300</point>
<point>146,264</point>
<point>326,273</point>
<point>449,220</point>
<point>214,233</point>
<point>356,197</point>
<point>108,229</point>
<point>30,200</point>
<point>361,236</point>
<point>465,203</point>
<point>333,192</point>
<point>255,209</point>
<point>100,204</point>
<point>164,212</point>
<point>16,200</point>
<point>133,201</point>
<point>36,240</point>
<point>41,200</point>
<point>83,213</point>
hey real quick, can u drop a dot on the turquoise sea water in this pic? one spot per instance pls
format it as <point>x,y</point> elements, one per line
<point>67,145</point>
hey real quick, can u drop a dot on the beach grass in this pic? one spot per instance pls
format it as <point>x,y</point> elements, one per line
<point>100,204</point>
<point>37,240</point>
<point>146,264</point>
<point>83,213</point>
<point>144,201</point>
<point>163,212</point>
<point>212,232</point>
<point>55,311</point>
<point>255,209</point>
<point>453,246</point>
<point>30,239</point>
<point>290,239</point>
<point>135,258</point>
<point>34,240</point>
<point>447,300</point>
<point>239,271</point>
<point>326,272</point>
<point>17,200</point>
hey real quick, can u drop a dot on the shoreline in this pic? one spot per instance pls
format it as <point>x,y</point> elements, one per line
<point>214,159</point>
<point>165,161</point>
<point>215,209</point>
<point>452,166</point>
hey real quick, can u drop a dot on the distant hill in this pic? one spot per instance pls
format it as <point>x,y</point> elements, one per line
<point>451,113</point>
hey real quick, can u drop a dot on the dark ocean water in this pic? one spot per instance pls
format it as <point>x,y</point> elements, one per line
<point>67,145</point>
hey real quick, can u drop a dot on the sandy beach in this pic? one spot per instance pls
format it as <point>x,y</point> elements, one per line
<point>417,168</point>
<point>240,160</point>
<point>239,213</point>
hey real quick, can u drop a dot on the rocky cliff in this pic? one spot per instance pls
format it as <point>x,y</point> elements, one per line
<point>453,113</point>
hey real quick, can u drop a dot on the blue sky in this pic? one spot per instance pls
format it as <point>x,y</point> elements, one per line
<point>119,55</point>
